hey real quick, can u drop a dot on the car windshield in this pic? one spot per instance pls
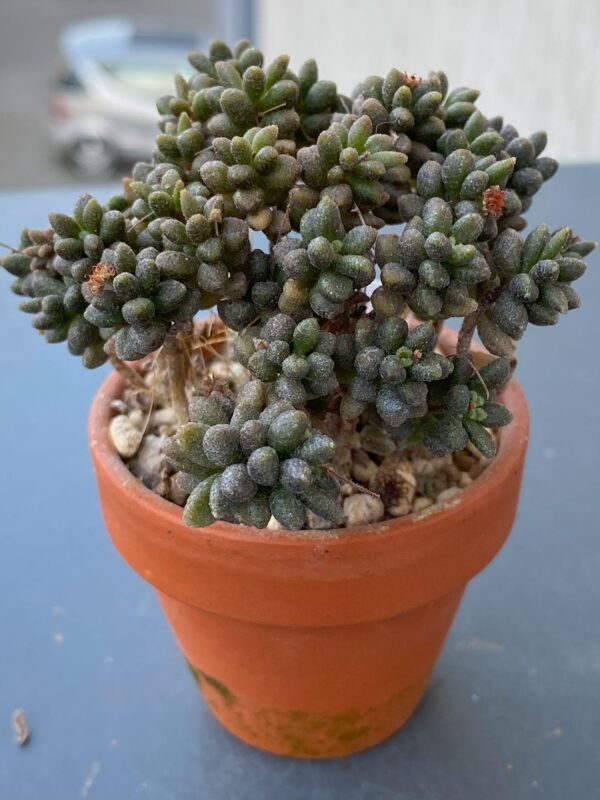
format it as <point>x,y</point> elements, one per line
<point>144,77</point>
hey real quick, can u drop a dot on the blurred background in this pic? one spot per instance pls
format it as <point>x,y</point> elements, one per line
<point>78,78</point>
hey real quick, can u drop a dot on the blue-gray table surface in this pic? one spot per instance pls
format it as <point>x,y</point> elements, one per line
<point>513,710</point>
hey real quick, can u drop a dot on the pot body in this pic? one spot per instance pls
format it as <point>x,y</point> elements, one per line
<point>313,692</point>
<point>314,643</point>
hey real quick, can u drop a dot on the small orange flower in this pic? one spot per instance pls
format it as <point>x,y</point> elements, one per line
<point>99,275</point>
<point>410,80</point>
<point>493,201</point>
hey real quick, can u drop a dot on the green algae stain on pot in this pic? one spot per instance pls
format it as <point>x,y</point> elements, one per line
<point>309,733</point>
<point>206,680</point>
<point>312,734</point>
<point>351,736</point>
<point>302,733</point>
<point>228,697</point>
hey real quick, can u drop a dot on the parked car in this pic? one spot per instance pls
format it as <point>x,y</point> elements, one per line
<point>102,111</point>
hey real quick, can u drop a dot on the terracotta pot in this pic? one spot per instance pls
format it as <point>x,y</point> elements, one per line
<point>316,643</point>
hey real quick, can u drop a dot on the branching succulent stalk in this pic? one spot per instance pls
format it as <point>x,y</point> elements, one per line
<point>336,316</point>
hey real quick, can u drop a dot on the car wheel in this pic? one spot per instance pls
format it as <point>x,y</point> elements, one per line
<point>93,157</point>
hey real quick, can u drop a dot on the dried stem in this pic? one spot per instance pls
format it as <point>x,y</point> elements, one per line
<point>346,439</point>
<point>481,381</point>
<point>174,356</point>
<point>344,479</point>
<point>284,219</point>
<point>356,210</point>
<point>273,108</point>
<point>467,329</point>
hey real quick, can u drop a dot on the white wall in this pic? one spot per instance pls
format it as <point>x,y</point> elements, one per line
<point>537,62</point>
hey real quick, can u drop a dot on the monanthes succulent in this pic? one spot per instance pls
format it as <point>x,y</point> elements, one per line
<point>249,459</point>
<point>278,201</point>
<point>296,357</point>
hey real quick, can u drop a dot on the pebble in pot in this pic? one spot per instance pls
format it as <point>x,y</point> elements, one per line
<point>362,509</point>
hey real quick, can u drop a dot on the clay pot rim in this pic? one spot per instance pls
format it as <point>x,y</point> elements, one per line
<point>170,514</point>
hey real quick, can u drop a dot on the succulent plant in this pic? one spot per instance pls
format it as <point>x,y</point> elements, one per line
<point>391,370</point>
<point>245,460</point>
<point>354,164</point>
<point>296,357</point>
<point>328,266</point>
<point>463,407</point>
<point>337,317</point>
<point>249,173</point>
<point>233,91</point>
<point>533,284</point>
<point>62,271</point>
